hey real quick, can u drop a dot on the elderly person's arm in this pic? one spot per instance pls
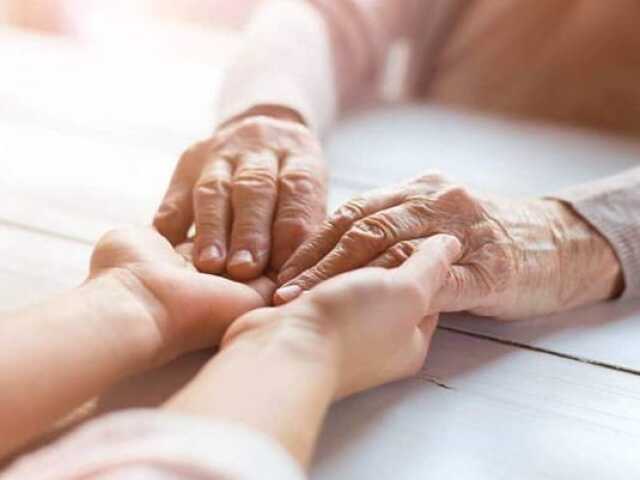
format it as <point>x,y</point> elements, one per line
<point>257,187</point>
<point>612,207</point>
<point>521,257</point>
<point>256,409</point>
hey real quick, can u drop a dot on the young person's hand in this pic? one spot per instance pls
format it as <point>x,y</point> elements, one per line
<point>255,191</point>
<point>185,310</point>
<point>371,326</point>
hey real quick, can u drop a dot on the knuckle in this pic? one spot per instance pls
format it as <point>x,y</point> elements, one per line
<point>300,182</point>
<point>257,178</point>
<point>194,152</point>
<point>421,207</point>
<point>455,196</point>
<point>169,213</point>
<point>213,187</point>
<point>347,214</point>
<point>206,226</point>
<point>292,230</point>
<point>432,177</point>
<point>374,231</point>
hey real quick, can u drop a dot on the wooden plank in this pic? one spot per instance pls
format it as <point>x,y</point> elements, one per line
<point>504,158</point>
<point>78,179</point>
<point>36,266</point>
<point>479,410</point>
<point>137,94</point>
<point>80,186</point>
<point>501,413</point>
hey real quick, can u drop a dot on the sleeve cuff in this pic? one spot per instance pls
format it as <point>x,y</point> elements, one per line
<point>612,206</point>
<point>169,443</point>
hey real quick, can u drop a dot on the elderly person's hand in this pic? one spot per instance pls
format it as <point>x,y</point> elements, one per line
<point>255,190</point>
<point>520,257</point>
<point>181,309</point>
<point>368,327</point>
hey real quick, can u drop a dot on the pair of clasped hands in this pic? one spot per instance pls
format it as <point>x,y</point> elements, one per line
<point>256,192</point>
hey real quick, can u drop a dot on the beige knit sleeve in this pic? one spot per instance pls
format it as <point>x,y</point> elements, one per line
<point>612,206</point>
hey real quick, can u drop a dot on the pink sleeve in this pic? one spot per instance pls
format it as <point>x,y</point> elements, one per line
<point>156,445</point>
<point>365,32</point>
<point>321,57</point>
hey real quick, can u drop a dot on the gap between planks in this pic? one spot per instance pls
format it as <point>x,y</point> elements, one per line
<point>547,351</point>
<point>575,358</point>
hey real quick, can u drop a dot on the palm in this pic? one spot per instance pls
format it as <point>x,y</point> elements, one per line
<point>191,309</point>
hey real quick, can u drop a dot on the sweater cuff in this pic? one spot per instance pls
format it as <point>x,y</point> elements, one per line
<point>166,444</point>
<point>612,207</point>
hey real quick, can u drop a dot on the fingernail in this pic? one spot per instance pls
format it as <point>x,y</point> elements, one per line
<point>211,253</point>
<point>288,293</point>
<point>286,275</point>
<point>242,257</point>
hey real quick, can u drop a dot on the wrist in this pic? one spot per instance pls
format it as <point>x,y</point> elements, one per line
<point>292,333</point>
<point>589,263</point>
<point>278,112</point>
<point>129,317</point>
<point>279,373</point>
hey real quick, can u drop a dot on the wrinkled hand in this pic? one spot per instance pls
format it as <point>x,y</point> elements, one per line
<point>520,258</point>
<point>255,190</point>
<point>186,310</point>
<point>369,325</point>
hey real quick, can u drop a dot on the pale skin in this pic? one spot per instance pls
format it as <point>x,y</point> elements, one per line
<point>144,304</point>
<point>255,190</point>
<point>520,258</point>
<point>324,346</point>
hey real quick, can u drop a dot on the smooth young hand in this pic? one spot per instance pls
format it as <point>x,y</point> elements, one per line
<point>372,326</point>
<point>185,310</point>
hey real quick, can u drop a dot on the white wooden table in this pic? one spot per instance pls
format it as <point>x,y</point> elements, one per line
<point>88,141</point>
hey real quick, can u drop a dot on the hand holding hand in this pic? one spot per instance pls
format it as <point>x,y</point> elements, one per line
<point>520,258</point>
<point>185,310</point>
<point>256,189</point>
<point>369,325</point>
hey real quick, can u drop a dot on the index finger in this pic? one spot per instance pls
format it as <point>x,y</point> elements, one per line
<point>331,231</point>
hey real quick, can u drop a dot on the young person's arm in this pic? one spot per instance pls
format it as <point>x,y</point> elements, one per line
<point>140,307</point>
<point>256,409</point>
<point>280,369</point>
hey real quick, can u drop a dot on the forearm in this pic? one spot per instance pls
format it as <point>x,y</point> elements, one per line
<point>285,60</point>
<point>279,382</point>
<point>588,270</point>
<point>59,354</point>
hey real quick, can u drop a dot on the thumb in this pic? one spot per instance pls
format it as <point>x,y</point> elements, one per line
<point>429,266</point>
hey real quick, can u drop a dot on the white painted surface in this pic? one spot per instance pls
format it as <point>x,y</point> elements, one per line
<point>511,160</point>
<point>76,168</point>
